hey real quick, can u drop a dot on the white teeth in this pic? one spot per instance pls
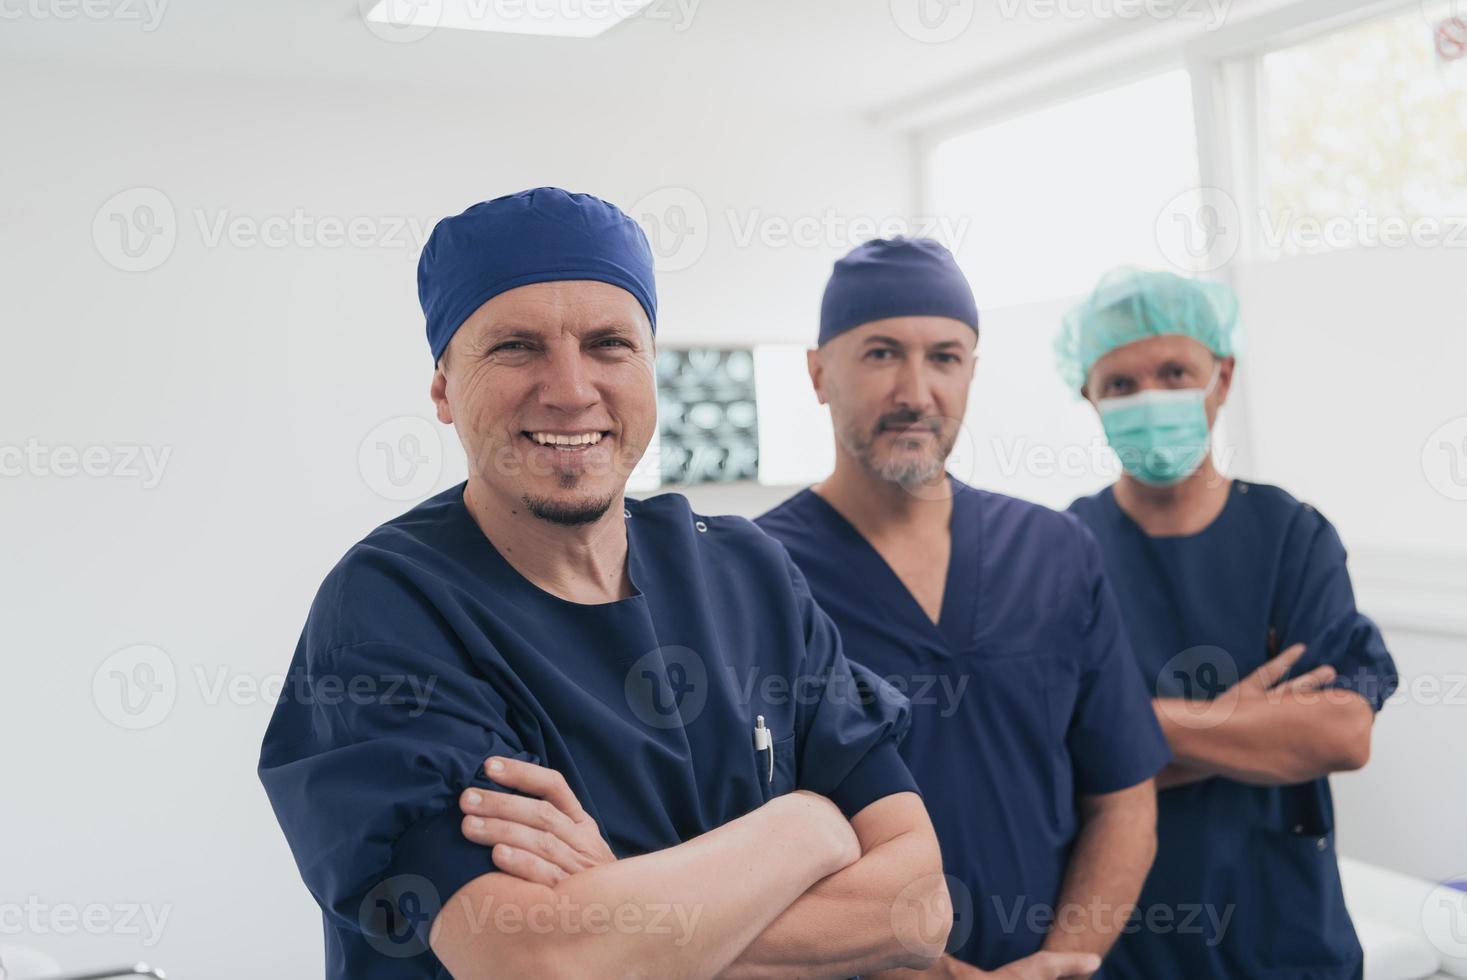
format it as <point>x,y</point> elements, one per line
<point>558,439</point>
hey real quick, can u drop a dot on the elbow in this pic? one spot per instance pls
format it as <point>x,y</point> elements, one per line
<point>922,918</point>
<point>1358,758</point>
<point>1352,744</point>
<point>1344,746</point>
<point>1354,752</point>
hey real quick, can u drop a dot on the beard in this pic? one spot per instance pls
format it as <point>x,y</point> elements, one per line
<point>905,471</point>
<point>568,513</point>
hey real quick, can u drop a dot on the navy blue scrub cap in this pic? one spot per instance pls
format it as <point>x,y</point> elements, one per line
<point>540,235</point>
<point>889,277</point>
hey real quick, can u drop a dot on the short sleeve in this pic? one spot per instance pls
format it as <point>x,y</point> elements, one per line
<point>1114,739</point>
<point>367,752</point>
<point>853,722</point>
<point>1317,608</point>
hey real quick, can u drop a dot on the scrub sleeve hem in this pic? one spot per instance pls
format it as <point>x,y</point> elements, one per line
<point>1134,772</point>
<point>881,773</point>
<point>435,849</point>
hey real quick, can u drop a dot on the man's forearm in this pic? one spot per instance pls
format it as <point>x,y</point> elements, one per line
<point>1266,740</point>
<point>889,909</point>
<point>710,897</point>
<point>1108,865</point>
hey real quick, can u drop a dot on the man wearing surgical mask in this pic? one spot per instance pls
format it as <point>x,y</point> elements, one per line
<point>1215,577</point>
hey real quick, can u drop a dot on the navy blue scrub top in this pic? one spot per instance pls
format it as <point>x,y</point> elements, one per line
<point>1024,694</point>
<point>425,652</point>
<point>1245,882</point>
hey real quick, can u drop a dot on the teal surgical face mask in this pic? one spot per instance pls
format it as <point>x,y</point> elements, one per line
<point>1160,434</point>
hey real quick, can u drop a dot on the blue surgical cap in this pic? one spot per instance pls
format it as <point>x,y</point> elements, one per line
<point>890,277</point>
<point>1133,304</point>
<point>540,235</point>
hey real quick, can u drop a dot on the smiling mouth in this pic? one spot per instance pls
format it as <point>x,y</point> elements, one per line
<point>566,442</point>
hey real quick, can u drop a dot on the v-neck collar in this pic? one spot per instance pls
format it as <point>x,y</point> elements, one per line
<point>953,630</point>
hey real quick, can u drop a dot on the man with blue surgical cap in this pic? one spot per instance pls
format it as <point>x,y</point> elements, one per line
<point>1032,735</point>
<point>1215,576</point>
<point>516,738</point>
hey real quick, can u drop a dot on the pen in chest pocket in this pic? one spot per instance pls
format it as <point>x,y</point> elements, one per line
<point>764,741</point>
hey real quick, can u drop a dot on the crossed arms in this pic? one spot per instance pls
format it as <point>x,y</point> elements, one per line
<point>1267,730</point>
<point>790,889</point>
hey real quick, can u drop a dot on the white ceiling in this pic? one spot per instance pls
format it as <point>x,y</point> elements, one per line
<point>792,55</point>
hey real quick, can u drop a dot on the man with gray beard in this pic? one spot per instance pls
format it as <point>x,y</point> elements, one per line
<point>1033,739</point>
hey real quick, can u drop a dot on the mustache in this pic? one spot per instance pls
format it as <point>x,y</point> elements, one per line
<point>901,421</point>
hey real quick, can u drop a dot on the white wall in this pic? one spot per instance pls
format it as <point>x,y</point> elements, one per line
<point>1404,810</point>
<point>1354,359</point>
<point>261,371</point>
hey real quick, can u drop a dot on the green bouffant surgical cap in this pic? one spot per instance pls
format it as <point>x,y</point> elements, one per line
<point>1132,304</point>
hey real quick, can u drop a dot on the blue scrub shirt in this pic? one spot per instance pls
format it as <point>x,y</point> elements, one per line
<point>1245,882</point>
<point>425,652</point>
<point>1024,694</point>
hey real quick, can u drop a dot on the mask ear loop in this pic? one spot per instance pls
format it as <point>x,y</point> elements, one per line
<point>1216,375</point>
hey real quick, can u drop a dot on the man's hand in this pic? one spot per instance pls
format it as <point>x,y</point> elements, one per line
<point>542,841</point>
<point>1268,731</point>
<point>1040,966</point>
<point>1047,966</point>
<point>1269,677</point>
<point>1265,683</point>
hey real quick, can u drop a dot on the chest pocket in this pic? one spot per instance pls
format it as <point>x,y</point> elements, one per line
<point>782,779</point>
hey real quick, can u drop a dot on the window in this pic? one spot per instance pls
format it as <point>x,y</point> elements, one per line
<point>1054,198</point>
<point>1364,138</point>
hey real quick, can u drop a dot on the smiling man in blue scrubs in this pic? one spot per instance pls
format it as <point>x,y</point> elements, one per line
<point>1032,734</point>
<point>534,638</point>
<point>1239,604</point>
